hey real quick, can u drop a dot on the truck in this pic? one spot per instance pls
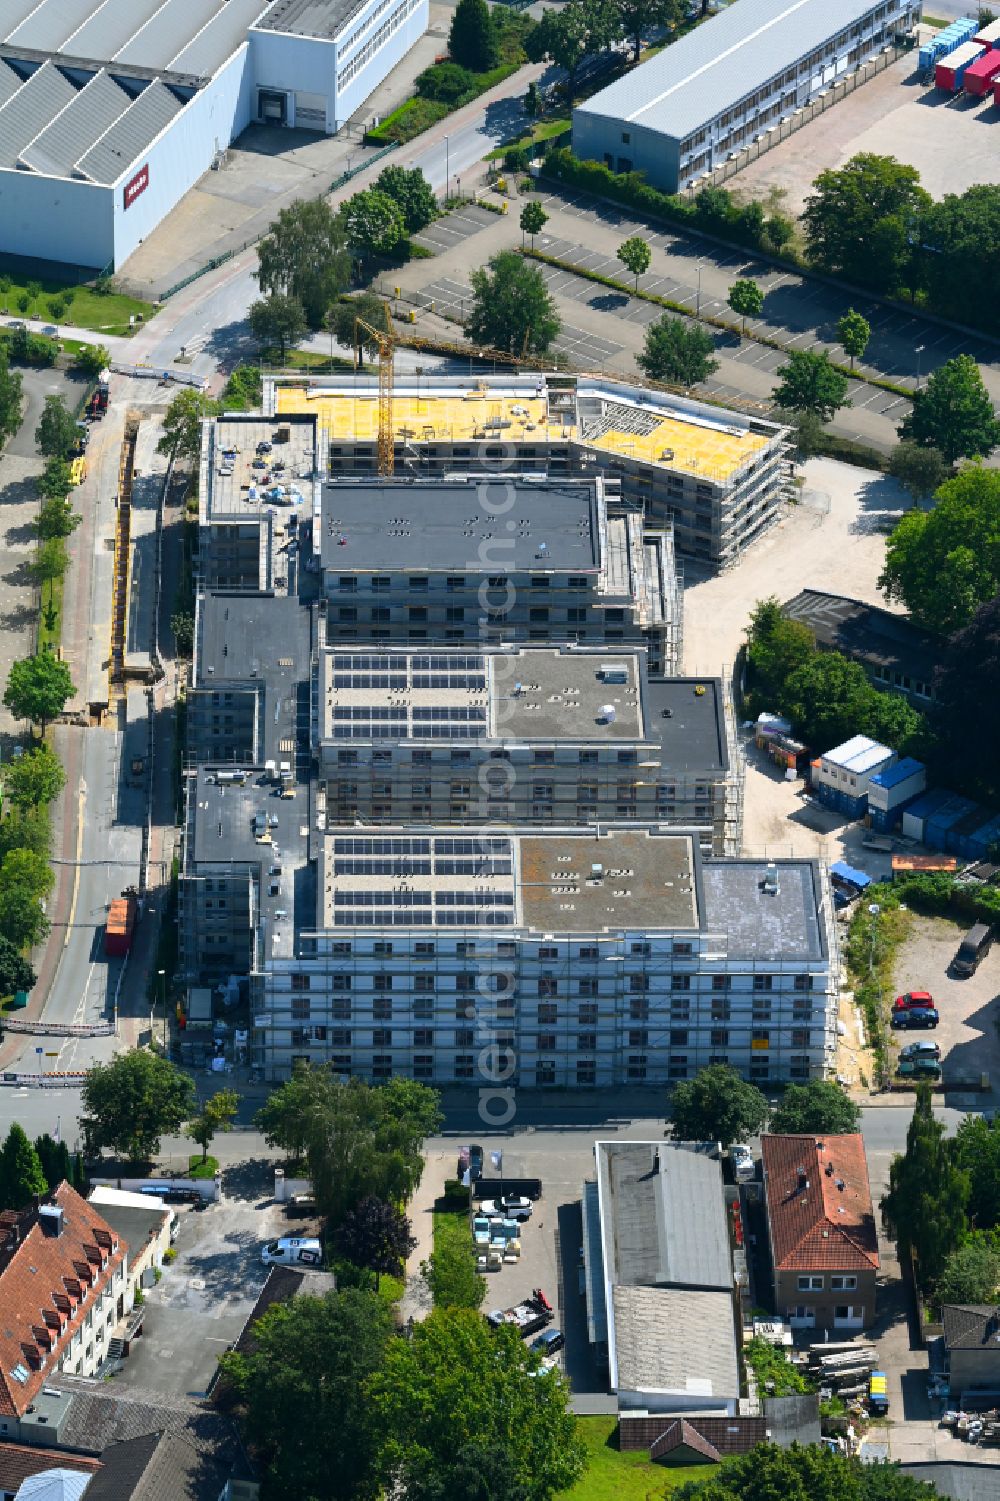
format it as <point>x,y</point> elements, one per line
<point>500,1188</point>
<point>98,403</point>
<point>878,1394</point>
<point>527,1318</point>
<point>119,927</point>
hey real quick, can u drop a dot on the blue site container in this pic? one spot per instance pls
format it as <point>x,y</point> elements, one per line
<point>919,811</point>
<point>940,823</point>
<point>840,801</point>
<point>946,41</point>
<point>977,834</point>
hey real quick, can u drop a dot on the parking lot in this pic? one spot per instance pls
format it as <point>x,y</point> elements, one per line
<point>202,1301</point>
<point>969,1009</point>
<point>452,229</point>
<point>953,142</point>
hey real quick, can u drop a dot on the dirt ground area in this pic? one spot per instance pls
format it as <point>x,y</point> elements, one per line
<point>951,141</point>
<point>968,1036</point>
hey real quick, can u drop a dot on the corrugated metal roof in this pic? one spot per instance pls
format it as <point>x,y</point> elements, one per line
<point>318,18</point>
<point>167,32</point>
<point>129,137</point>
<point>32,108</point>
<point>217,41</point>
<point>110,27</point>
<point>719,63</point>
<point>13,12</point>
<point>47,28</point>
<point>81,123</point>
<point>10,82</point>
<point>859,754</point>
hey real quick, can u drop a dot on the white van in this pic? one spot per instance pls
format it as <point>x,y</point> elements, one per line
<point>293,1250</point>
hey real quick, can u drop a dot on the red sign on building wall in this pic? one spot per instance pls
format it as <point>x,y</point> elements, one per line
<point>138,185</point>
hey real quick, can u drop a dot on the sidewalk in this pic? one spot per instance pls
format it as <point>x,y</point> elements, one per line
<point>439,1165</point>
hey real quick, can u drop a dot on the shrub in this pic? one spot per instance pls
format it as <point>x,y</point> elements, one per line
<point>446,82</point>
<point>517,159</point>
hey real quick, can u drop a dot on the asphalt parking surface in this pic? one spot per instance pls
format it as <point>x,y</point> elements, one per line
<point>450,297</point>
<point>451,229</point>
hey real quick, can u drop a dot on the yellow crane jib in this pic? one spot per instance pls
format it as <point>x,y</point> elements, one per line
<point>385,341</point>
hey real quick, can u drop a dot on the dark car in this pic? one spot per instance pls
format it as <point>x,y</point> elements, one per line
<point>549,1342</point>
<point>918,1017</point>
<point>475,1162</point>
<point>925,1049</point>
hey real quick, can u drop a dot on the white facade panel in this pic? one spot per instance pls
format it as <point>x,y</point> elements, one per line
<point>184,151</point>
<point>56,219</point>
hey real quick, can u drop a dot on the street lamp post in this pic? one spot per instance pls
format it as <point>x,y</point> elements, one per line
<point>163,1002</point>
<point>697,311</point>
<point>447,170</point>
<point>919,351</point>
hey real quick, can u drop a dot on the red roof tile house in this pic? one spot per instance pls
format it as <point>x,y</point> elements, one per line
<point>821,1227</point>
<point>62,1291</point>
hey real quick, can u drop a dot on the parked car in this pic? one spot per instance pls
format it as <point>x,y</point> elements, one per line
<point>918,1068</point>
<point>919,1017</point>
<point>972,950</point>
<point>914,1000</point>
<point>549,1342</point>
<point>475,1162</point>
<point>920,1050</point>
<point>510,1209</point>
<point>293,1250</point>
<point>744,1167</point>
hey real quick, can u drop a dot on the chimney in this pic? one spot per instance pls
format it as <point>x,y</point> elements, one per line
<point>803,1177</point>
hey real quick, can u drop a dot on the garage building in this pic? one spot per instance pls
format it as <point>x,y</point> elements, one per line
<point>722,86</point>
<point>110,110</point>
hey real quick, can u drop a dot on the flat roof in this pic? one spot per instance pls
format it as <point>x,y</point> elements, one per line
<point>717,64</point>
<point>531,695</point>
<point>647,881</point>
<point>687,715</point>
<point>667,432</point>
<point>433,526</point>
<point>664,1220</point>
<point>757,922</point>
<point>324,19</point>
<point>676,1342</point>
<point>258,644</point>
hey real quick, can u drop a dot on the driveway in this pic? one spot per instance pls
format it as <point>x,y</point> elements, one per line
<point>202,1301</point>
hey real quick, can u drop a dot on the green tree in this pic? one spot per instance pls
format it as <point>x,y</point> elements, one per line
<point>49,563</point>
<point>216,1114</point>
<point>456,1376</point>
<point>182,424</point>
<point>55,1160</point>
<point>861,219</point>
<point>33,779</point>
<point>278,319</point>
<point>829,698</point>
<point>854,331</point>
<point>182,625</point>
<point>373,222</point>
<point>819,1108</point>
<point>302,1386</point>
<point>746,299</point>
<point>26,829</point>
<point>409,188</point>
<point>959,248</point>
<point>375,1235</point>
<point>15,971</point>
<point>640,17</point>
<point>921,470</point>
<point>480,1472</point>
<point>450,1273</point>
<point>21,1175</point>
<point>38,688</point>
<point>805,1472</point>
<point>342,321</point>
<point>776,646</point>
<point>473,40</point>
<point>56,434</point>
<point>242,391</point>
<point>131,1102</point>
<point>953,413</point>
<point>779,231</point>
<point>304,255</point>
<point>511,309</point>
<point>287,1115</point>
<point>533,220</point>
<point>944,563</point>
<point>635,255</point>
<point>971,1274</point>
<point>678,351</point>
<point>809,383</point>
<point>967,692</point>
<point>91,359</point>
<point>11,398</point>
<point>56,520</point>
<point>55,481</point>
<point>22,919</point>
<point>716,1105</point>
<point>565,36</point>
<point>975,1148</point>
<point>924,1209</point>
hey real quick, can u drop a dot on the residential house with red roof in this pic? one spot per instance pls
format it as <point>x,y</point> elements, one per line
<point>821,1227</point>
<point>63,1289</point>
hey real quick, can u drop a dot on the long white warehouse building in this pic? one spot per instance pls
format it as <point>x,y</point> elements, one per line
<point>722,86</point>
<point>110,110</point>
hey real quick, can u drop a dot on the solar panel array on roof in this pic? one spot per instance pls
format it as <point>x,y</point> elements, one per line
<point>128,138</point>
<point>28,111</point>
<point>218,40</point>
<point>48,26</point>
<point>84,119</point>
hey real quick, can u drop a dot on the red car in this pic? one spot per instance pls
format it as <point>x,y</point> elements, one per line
<point>914,1000</point>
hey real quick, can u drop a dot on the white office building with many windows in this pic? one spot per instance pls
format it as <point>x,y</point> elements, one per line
<point>726,84</point>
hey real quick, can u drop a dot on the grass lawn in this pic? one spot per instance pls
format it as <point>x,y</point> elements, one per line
<point>50,616</point>
<point>87,309</point>
<point>451,1227</point>
<point>199,1169</point>
<point>542,130</point>
<point>613,1476</point>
